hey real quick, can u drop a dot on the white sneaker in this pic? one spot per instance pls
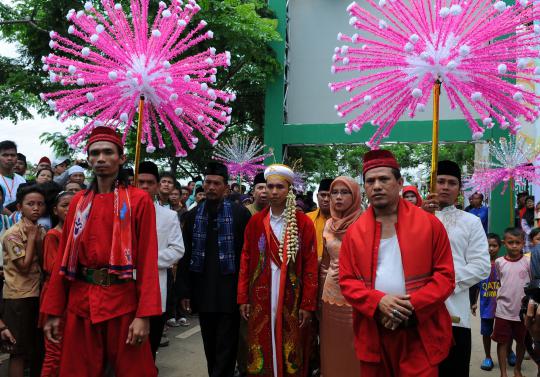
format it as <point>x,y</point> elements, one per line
<point>172,323</point>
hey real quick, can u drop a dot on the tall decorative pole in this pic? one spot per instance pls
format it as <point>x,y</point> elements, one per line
<point>139,135</point>
<point>400,48</point>
<point>435,135</point>
<point>512,193</point>
<point>111,57</point>
<point>511,162</point>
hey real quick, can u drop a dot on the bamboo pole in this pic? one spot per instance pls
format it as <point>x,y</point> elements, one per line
<point>139,137</point>
<point>435,135</point>
<point>512,211</point>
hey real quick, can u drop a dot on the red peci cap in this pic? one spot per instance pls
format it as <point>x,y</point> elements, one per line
<point>379,158</point>
<point>105,134</point>
<point>44,160</point>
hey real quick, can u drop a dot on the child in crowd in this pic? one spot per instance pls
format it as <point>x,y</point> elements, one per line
<point>488,301</point>
<point>514,273</point>
<point>21,248</point>
<point>534,237</point>
<point>51,243</point>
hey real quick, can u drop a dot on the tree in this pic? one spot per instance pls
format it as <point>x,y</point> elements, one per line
<point>331,161</point>
<point>243,27</point>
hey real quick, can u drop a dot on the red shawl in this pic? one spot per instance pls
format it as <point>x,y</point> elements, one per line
<point>429,278</point>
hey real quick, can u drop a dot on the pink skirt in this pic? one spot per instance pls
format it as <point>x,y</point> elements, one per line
<point>338,358</point>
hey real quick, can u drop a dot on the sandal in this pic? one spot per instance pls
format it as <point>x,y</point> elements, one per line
<point>487,364</point>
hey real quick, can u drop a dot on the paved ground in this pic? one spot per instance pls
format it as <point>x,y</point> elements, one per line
<point>184,357</point>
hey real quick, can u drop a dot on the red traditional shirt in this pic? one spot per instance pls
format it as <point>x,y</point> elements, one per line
<point>99,303</point>
<point>298,290</point>
<point>429,278</point>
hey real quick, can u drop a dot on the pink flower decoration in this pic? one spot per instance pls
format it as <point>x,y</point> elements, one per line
<point>242,156</point>
<point>512,159</point>
<point>474,48</point>
<point>113,58</point>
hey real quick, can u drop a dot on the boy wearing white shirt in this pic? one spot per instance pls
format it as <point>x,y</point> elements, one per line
<point>471,262</point>
<point>9,180</point>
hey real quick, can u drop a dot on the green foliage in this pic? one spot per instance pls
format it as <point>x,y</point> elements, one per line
<point>331,161</point>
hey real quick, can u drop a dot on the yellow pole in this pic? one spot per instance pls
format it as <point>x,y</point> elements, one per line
<point>512,211</point>
<point>139,136</point>
<point>435,135</point>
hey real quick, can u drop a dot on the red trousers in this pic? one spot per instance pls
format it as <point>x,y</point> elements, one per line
<point>89,348</point>
<point>402,355</point>
<point>53,353</point>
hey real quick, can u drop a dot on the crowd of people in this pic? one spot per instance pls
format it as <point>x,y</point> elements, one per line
<point>96,266</point>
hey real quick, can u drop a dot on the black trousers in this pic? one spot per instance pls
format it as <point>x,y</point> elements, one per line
<point>157,324</point>
<point>220,338</point>
<point>458,361</point>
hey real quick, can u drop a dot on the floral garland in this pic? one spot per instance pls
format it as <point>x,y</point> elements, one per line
<point>291,230</point>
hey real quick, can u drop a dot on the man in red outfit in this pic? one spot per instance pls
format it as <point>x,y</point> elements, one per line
<point>277,287</point>
<point>396,270</point>
<point>105,279</point>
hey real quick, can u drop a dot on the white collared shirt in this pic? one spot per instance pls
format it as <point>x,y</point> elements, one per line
<point>277,222</point>
<point>470,253</point>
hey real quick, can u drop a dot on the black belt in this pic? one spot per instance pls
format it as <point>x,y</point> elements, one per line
<point>99,276</point>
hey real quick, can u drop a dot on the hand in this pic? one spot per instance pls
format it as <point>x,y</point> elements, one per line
<point>138,331</point>
<point>245,311</point>
<point>396,307</point>
<point>431,203</point>
<point>304,318</point>
<point>52,329</point>
<point>31,231</point>
<point>186,305</point>
<point>532,320</point>
<point>389,323</point>
<point>473,309</point>
<point>335,275</point>
<point>6,335</point>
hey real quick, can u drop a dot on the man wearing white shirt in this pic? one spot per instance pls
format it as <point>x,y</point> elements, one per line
<point>9,180</point>
<point>170,244</point>
<point>471,262</point>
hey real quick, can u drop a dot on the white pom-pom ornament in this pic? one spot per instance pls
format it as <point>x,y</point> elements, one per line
<point>477,135</point>
<point>455,9</point>
<point>475,96</point>
<point>444,12</point>
<point>113,75</point>
<point>500,6</point>
<point>502,68</point>
<point>90,97</point>
<point>417,93</point>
